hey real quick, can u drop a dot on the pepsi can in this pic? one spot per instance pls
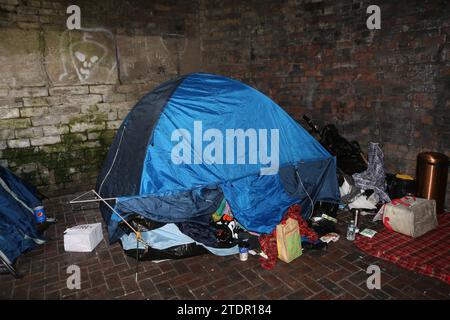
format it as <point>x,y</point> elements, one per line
<point>39,214</point>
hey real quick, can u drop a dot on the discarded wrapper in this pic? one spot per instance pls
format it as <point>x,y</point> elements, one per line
<point>261,253</point>
<point>325,216</point>
<point>332,236</point>
<point>368,233</point>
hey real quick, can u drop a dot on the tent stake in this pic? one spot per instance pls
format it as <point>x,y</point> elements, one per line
<point>138,237</point>
<point>137,261</point>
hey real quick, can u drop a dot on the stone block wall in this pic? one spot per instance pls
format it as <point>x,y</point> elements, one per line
<point>63,93</point>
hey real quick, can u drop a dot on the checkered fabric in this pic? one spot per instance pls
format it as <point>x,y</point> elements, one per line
<point>428,254</point>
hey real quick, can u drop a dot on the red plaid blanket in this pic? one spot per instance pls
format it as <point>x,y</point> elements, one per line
<point>428,254</point>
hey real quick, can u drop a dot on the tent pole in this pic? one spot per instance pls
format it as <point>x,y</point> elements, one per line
<point>99,198</point>
<point>91,200</point>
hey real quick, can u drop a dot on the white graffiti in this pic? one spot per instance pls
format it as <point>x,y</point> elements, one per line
<point>179,44</point>
<point>87,52</point>
<point>145,54</point>
<point>87,63</point>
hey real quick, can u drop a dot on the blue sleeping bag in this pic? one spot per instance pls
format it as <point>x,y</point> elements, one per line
<point>18,229</point>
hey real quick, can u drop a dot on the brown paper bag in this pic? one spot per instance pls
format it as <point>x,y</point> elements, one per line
<point>288,241</point>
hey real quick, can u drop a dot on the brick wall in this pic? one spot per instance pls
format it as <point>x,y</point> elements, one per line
<point>318,58</point>
<point>64,93</point>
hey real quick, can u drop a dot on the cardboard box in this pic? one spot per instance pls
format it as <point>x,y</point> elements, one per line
<point>83,238</point>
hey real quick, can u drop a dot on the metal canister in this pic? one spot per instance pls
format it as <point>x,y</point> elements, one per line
<point>431,177</point>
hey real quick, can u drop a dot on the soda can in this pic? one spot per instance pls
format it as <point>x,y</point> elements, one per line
<point>39,214</point>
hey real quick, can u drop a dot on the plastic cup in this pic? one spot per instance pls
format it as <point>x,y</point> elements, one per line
<point>243,251</point>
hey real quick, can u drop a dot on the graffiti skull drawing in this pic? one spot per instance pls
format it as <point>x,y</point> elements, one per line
<point>85,56</point>
<point>85,70</point>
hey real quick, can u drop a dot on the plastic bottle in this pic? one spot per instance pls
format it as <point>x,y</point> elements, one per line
<point>351,231</point>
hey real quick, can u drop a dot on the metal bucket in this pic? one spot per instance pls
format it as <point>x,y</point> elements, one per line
<point>431,176</point>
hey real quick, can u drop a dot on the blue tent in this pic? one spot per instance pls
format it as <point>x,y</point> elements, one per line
<point>18,230</point>
<point>201,137</point>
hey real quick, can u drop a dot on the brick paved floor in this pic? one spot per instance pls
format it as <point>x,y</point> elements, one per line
<point>338,273</point>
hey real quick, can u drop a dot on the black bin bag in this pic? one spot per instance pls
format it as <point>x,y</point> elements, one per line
<point>397,188</point>
<point>348,154</point>
<point>177,252</point>
<point>141,224</point>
